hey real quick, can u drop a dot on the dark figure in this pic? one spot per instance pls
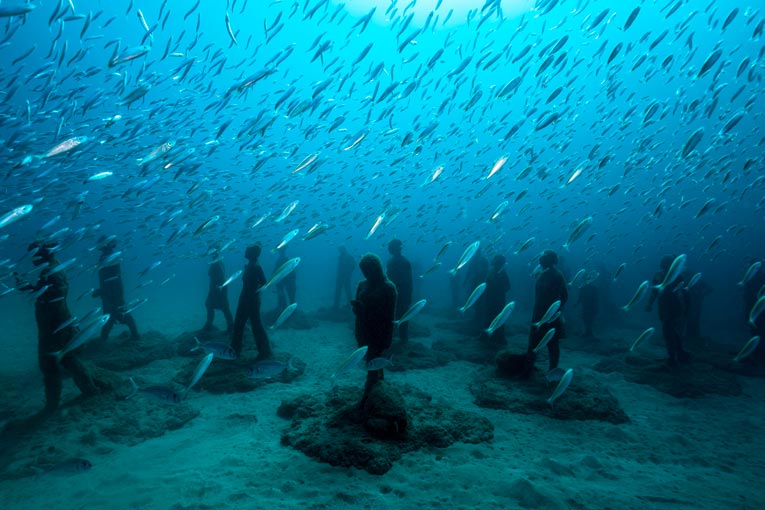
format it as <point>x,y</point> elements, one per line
<point>751,292</point>
<point>112,291</point>
<point>286,288</point>
<point>400,273</point>
<point>696,295</point>
<point>217,296</point>
<point>345,267</point>
<point>673,306</point>
<point>497,286</point>
<point>51,311</point>
<point>249,306</point>
<point>475,274</point>
<point>550,287</point>
<point>589,301</point>
<point>374,307</point>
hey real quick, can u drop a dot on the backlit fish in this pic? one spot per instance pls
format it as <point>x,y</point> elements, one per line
<point>286,314</point>
<point>645,335</point>
<point>413,310</point>
<point>466,256</point>
<point>501,318</point>
<point>747,349</point>
<point>549,314</point>
<point>281,272</point>
<point>640,293</point>
<point>477,292</point>
<point>562,386</point>
<point>349,362</point>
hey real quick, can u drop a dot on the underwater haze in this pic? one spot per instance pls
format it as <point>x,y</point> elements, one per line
<point>613,132</point>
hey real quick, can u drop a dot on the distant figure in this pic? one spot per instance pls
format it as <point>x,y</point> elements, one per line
<point>374,307</point>
<point>345,266</point>
<point>217,296</point>
<point>497,287</point>
<point>673,306</point>
<point>605,283</point>
<point>752,290</point>
<point>51,311</point>
<point>475,274</point>
<point>696,296</point>
<point>286,288</point>
<point>400,273</point>
<point>589,301</point>
<point>550,287</point>
<point>111,290</point>
<point>249,306</point>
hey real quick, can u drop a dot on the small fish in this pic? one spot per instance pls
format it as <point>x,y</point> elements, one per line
<point>619,270</point>
<point>466,256</point>
<point>286,212</point>
<point>98,176</point>
<point>674,272</point>
<point>267,369</point>
<point>545,340</point>
<point>230,31</point>
<point>693,281</point>
<point>477,292</point>
<point>204,226</point>
<point>81,338</point>
<point>315,230</point>
<point>432,268</point>
<point>286,239</point>
<point>645,335</point>
<point>65,324</point>
<point>66,146</point>
<point>281,272</point>
<point>204,363</point>
<point>15,215</point>
<point>562,386</point>
<point>60,267</point>
<point>379,364</point>
<point>578,231</point>
<point>750,273</point>
<point>350,362</point>
<point>757,310</point>
<point>376,225</point>
<point>163,392</point>
<point>501,318</point>
<point>640,293</point>
<point>286,314</point>
<point>442,250</point>
<point>133,305</point>
<point>497,166</point>
<point>747,349</point>
<point>498,211</point>
<point>219,349</point>
<point>413,310</point>
<point>525,245</point>
<point>549,315</point>
<point>577,277</point>
<point>231,278</point>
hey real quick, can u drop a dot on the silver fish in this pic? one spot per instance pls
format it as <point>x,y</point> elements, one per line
<point>562,386</point>
<point>477,292</point>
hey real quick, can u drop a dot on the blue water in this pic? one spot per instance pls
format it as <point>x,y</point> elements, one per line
<point>605,156</point>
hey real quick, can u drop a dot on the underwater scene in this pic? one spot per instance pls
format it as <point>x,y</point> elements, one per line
<point>382,254</point>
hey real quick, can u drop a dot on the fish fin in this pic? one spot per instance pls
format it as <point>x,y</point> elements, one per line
<point>396,323</point>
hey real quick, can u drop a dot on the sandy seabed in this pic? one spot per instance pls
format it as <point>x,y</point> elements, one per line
<point>706,453</point>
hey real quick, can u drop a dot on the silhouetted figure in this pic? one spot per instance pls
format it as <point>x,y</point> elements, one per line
<point>696,295</point>
<point>374,307</point>
<point>550,287</point>
<point>673,306</point>
<point>217,296</point>
<point>475,274</point>
<point>400,273</point>
<point>497,287</point>
<point>286,288</point>
<point>111,290</point>
<point>345,267</point>
<point>51,311</point>
<point>589,301</point>
<point>752,290</point>
<point>249,306</point>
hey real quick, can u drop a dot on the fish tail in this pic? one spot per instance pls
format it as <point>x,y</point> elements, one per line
<point>626,308</point>
<point>396,323</point>
<point>452,272</point>
<point>134,388</point>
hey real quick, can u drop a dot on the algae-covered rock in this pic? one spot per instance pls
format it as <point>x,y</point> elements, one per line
<point>335,429</point>
<point>122,353</point>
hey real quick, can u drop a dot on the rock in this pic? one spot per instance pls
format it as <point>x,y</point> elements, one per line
<point>414,355</point>
<point>384,413</point>
<point>336,430</point>
<point>121,353</point>
<point>225,376</point>
<point>528,496</point>
<point>473,349</point>
<point>687,380</point>
<point>585,398</point>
